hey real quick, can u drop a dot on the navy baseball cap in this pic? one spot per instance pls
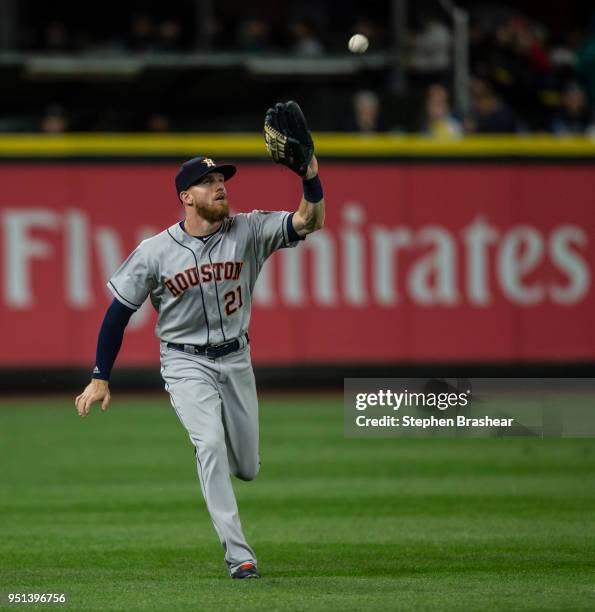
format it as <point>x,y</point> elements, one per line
<point>194,169</point>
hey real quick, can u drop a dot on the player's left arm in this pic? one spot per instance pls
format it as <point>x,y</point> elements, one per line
<point>309,217</point>
<point>289,142</point>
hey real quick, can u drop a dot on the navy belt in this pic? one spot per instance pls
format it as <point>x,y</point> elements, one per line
<point>210,351</point>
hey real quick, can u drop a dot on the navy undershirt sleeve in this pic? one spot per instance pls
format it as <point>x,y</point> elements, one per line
<point>291,233</point>
<point>110,338</point>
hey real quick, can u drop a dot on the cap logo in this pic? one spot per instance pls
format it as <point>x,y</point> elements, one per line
<point>209,162</point>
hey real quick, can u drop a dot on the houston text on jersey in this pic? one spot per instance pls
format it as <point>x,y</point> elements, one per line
<point>227,270</point>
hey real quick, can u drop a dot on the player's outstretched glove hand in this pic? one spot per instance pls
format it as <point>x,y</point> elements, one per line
<point>287,137</point>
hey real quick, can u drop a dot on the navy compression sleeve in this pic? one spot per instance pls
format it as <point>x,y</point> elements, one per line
<point>110,338</point>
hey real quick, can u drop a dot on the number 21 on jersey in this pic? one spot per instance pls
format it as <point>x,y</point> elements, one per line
<point>233,300</point>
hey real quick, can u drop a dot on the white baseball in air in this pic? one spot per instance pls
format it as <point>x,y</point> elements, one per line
<point>358,43</point>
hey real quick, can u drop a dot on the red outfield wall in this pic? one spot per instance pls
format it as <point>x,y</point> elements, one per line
<point>416,263</point>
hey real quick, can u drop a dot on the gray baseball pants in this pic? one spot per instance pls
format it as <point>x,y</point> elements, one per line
<point>217,404</point>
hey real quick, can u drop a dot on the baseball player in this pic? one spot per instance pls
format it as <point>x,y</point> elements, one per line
<point>200,274</point>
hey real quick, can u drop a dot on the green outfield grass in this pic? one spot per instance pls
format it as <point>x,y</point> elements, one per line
<point>108,509</point>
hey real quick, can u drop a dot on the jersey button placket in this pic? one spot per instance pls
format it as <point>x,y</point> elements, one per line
<point>212,313</point>
<point>213,254</point>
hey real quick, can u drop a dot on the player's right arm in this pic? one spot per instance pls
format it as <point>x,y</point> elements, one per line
<point>109,342</point>
<point>130,286</point>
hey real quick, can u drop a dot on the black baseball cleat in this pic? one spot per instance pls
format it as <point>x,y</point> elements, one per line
<point>246,570</point>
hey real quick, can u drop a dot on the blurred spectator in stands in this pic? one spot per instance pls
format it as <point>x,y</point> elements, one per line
<point>55,38</point>
<point>54,120</point>
<point>489,113</point>
<point>366,113</point>
<point>430,49</point>
<point>563,54</point>
<point>169,36</point>
<point>158,122</point>
<point>305,41</point>
<point>573,117</point>
<point>530,41</point>
<point>439,121</point>
<point>506,69</point>
<point>513,58</point>
<point>142,33</point>
<point>254,36</point>
<point>489,46</point>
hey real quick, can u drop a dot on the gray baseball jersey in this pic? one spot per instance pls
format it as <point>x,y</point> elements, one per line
<point>201,288</point>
